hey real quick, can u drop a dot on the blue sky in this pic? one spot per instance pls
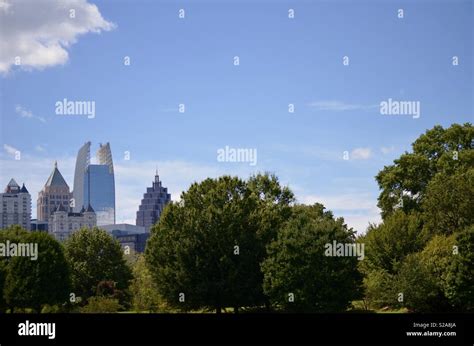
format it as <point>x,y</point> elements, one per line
<point>190,61</point>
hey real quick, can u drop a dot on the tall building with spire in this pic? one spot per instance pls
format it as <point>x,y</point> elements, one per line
<point>15,204</point>
<point>54,193</point>
<point>94,184</point>
<point>154,201</point>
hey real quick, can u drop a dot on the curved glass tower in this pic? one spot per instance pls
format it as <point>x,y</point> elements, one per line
<point>82,161</point>
<point>94,184</point>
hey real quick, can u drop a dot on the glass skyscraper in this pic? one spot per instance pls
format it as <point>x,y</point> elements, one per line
<point>94,184</point>
<point>154,201</point>
<point>82,161</point>
<point>99,191</point>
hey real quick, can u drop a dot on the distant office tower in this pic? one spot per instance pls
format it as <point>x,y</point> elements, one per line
<point>94,184</point>
<point>82,161</point>
<point>64,222</point>
<point>55,192</point>
<point>153,203</point>
<point>16,206</point>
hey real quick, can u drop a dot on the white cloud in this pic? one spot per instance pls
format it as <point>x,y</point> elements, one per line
<point>40,148</point>
<point>4,5</point>
<point>337,106</point>
<point>357,209</point>
<point>10,150</point>
<point>25,113</point>
<point>387,150</point>
<point>352,201</point>
<point>40,31</point>
<point>361,154</point>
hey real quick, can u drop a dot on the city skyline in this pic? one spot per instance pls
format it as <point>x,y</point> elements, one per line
<point>282,61</point>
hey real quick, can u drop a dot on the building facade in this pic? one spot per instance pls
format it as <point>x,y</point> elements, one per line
<point>154,201</point>
<point>15,205</point>
<point>64,221</point>
<point>132,238</point>
<point>94,184</point>
<point>131,243</point>
<point>55,193</point>
<point>100,193</point>
<point>39,226</point>
<point>82,162</point>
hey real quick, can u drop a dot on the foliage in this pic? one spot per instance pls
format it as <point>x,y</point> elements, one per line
<point>438,150</point>
<point>379,289</point>
<point>94,256</point>
<point>209,246</point>
<point>449,203</point>
<point>101,304</point>
<point>145,296</point>
<point>419,288</point>
<point>297,267</point>
<point>388,243</point>
<point>460,279</point>
<point>33,283</point>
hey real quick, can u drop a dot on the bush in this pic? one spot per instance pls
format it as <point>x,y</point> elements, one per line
<point>101,305</point>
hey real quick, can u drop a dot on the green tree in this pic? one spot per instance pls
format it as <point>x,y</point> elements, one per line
<point>32,283</point>
<point>448,203</point>
<point>94,256</point>
<point>390,242</point>
<point>209,246</point>
<point>298,274</point>
<point>460,278</point>
<point>438,150</point>
<point>379,288</point>
<point>192,250</point>
<point>417,284</point>
<point>13,234</point>
<point>145,296</point>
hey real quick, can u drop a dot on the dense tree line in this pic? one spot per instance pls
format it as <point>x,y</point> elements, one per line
<point>88,268</point>
<point>235,243</point>
<point>421,256</point>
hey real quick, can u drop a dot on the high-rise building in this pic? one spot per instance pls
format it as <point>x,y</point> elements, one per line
<point>82,161</point>
<point>64,222</point>
<point>15,205</point>
<point>154,201</point>
<point>55,193</point>
<point>99,192</point>
<point>94,184</point>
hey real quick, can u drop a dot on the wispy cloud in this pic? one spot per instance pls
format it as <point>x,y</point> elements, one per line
<point>9,149</point>
<point>337,106</point>
<point>25,113</point>
<point>361,154</point>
